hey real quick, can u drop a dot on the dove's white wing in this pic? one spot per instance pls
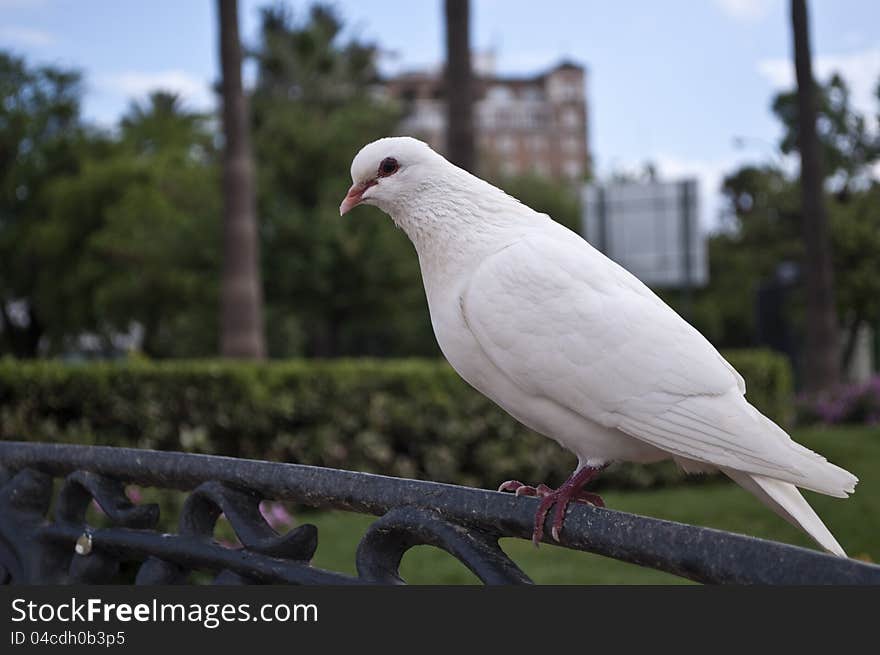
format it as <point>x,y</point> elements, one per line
<point>565,323</point>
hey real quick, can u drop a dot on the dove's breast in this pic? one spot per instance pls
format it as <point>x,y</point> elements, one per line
<point>591,442</point>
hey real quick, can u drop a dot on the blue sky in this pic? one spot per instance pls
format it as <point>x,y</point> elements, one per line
<point>672,82</point>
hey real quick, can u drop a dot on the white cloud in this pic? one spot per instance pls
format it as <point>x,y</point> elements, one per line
<point>25,36</point>
<point>860,70</point>
<point>194,91</point>
<point>746,11</point>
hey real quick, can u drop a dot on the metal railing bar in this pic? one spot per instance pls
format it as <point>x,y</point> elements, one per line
<point>701,554</point>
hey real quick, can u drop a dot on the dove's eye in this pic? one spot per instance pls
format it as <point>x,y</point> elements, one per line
<point>388,167</point>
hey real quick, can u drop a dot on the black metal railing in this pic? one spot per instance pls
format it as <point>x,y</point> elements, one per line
<point>465,522</point>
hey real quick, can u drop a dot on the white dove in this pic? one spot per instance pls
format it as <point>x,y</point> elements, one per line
<point>574,346</point>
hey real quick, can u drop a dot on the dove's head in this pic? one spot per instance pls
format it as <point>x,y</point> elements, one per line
<point>391,171</point>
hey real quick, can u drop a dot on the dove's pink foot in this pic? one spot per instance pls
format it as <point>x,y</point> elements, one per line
<point>571,490</point>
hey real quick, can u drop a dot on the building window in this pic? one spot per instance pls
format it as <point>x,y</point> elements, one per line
<point>486,118</point>
<point>572,168</point>
<point>570,117</point>
<point>506,145</point>
<point>500,93</point>
<point>537,143</point>
<point>526,118</point>
<point>564,88</point>
<point>571,145</point>
<point>571,90</point>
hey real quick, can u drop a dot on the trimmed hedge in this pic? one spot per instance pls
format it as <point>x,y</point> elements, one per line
<point>409,418</point>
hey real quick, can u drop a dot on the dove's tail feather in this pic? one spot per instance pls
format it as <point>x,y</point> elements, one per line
<point>820,475</point>
<point>785,499</point>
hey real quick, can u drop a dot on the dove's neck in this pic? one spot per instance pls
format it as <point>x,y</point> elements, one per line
<point>455,220</point>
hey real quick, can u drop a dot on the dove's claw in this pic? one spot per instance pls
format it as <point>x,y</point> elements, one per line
<point>520,489</point>
<point>540,516</point>
<point>590,499</point>
<point>570,491</point>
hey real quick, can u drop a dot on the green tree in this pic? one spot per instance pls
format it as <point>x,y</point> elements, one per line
<point>97,232</point>
<point>849,150</point>
<point>762,233</point>
<point>765,230</point>
<point>162,123</point>
<point>848,146</point>
<point>855,233</point>
<point>333,286</point>
<point>131,238</point>
<point>41,137</point>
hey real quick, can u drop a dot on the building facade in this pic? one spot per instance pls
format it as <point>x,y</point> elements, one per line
<point>523,125</point>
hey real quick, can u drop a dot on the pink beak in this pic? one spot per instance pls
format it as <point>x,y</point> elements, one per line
<point>354,197</point>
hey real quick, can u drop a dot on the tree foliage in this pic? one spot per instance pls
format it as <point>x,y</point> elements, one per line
<point>848,145</point>
<point>765,229</point>
<point>333,286</point>
<point>40,139</point>
<point>101,232</point>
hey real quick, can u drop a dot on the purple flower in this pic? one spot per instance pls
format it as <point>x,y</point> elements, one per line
<point>853,403</point>
<point>276,515</point>
<point>134,493</point>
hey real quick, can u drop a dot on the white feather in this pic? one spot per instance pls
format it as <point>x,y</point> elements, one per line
<point>784,499</point>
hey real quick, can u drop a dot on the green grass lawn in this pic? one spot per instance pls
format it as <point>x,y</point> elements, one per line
<point>855,522</point>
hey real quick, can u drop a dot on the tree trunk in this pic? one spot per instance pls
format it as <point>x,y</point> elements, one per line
<point>821,360</point>
<point>459,85</point>
<point>241,320</point>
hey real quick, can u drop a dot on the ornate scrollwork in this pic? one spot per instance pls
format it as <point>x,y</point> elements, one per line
<point>50,556</point>
<point>466,523</point>
<point>381,550</point>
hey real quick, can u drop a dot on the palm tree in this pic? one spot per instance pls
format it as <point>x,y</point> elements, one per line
<point>459,85</point>
<point>822,362</point>
<point>241,320</point>
<point>162,121</point>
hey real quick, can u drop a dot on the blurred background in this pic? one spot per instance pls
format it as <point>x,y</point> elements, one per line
<point>174,272</point>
